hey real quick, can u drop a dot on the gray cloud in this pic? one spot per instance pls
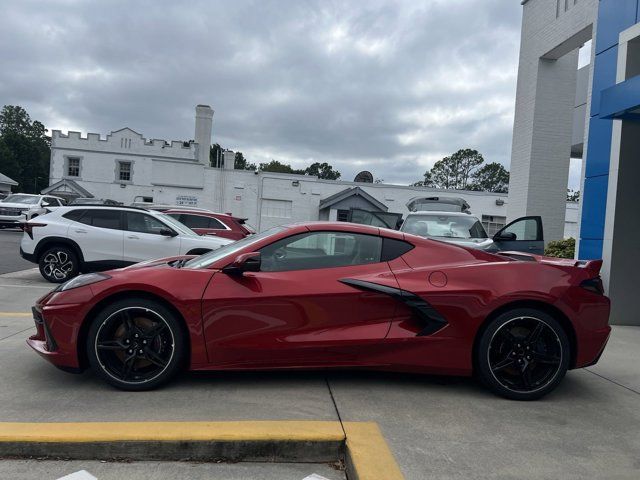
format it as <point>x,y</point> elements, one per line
<point>390,86</point>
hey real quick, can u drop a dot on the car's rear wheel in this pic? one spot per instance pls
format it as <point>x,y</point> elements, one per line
<point>136,344</point>
<point>523,354</point>
<point>58,264</point>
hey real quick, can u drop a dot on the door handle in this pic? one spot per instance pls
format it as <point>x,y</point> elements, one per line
<point>133,237</point>
<point>81,231</point>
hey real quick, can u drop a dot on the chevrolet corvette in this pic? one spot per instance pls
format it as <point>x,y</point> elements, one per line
<point>326,295</point>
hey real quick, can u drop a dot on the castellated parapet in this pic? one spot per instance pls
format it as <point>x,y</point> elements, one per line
<point>125,141</point>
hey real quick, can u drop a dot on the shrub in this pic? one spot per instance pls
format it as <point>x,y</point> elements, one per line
<point>561,248</point>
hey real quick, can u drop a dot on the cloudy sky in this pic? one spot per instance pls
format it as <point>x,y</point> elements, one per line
<point>387,86</point>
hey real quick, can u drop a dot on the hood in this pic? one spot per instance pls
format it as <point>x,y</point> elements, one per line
<point>156,262</point>
<point>21,206</point>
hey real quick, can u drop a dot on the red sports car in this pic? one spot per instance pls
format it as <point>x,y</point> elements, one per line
<point>332,295</point>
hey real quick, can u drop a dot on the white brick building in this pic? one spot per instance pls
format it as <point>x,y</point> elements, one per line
<point>126,167</point>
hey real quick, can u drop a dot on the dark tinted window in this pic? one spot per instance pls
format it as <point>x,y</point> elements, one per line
<point>321,250</point>
<point>393,248</point>
<point>74,215</point>
<point>143,223</point>
<point>217,224</point>
<point>194,221</point>
<point>102,219</point>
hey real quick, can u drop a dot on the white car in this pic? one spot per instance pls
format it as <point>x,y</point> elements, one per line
<point>77,239</point>
<point>19,207</point>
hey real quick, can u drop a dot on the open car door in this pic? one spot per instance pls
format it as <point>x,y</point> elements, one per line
<point>522,235</point>
<point>377,219</point>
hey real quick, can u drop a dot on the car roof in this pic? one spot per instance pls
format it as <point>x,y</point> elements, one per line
<point>199,212</point>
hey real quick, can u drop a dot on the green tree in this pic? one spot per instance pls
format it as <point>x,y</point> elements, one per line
<point>492,177</point>
<point>322,170</point>
<point>241,163</point>
<point>24,149</point>
<point>427,182</point>
<point>278,167</point>
<point>455,172</point>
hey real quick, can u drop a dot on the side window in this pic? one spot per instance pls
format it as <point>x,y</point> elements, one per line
<point>143,223</point>
<point>393,248</point>
<point>102,219</point>
<point>216,224</point>
<point>526,229</point>
<point>321,250</point>
<point>74,215</point>
<point>194,221</point>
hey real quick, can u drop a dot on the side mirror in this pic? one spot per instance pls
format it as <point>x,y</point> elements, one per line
<point>505,237</point>
<point>167,232</point>
<point>247,262</point>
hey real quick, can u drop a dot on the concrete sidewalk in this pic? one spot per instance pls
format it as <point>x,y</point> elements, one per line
<point>446,428</point>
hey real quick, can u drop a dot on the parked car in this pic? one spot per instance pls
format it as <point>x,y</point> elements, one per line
<point>70,240</point>
<point>210,223</point>
<point>19,207</point>
<point>449,220</point>
<point>94,201</point>
<point>321,295</point>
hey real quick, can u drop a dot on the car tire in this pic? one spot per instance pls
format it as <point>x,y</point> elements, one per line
<point>136,344</point>
<point>523,354</point>
<point>58,264</point>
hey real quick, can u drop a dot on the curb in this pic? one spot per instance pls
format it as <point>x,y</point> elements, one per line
<point>364,449</point>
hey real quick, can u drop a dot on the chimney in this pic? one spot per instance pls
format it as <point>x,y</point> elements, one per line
<point>204,121</point>
<point>229,159</point>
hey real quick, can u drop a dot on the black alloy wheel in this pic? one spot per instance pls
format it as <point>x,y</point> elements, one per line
<point>136,344</point>
<point>58,264</point>
<point>523,354</point>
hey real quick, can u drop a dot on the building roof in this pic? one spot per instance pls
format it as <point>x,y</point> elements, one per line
<point>6,180</point>
<point>350,192</point>
<point>67,186</point>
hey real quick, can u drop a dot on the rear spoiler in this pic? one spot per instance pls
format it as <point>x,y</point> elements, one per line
<point>593,266</point>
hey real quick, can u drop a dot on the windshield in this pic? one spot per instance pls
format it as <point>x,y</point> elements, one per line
<point>444,226</point>
<point>203,261</point>
<point>25,199</point>
<point>180,227</point>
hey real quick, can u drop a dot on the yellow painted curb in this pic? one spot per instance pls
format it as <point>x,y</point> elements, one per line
<point>15,314</point>
<point>300,431</point>
<point>368,455</point>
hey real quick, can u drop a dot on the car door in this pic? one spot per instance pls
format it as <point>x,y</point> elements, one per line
<point>99,234</point>
<point>144,238</point>
<point>300,308</point>
<point>522,235</point>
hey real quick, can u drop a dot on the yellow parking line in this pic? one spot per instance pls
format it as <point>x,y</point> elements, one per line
<point>368,456</point>
<point>15,314</point>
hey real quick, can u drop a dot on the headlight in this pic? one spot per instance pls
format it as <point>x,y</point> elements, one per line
<point>81,281</point>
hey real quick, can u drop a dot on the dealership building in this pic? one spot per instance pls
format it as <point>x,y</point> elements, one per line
<point>605,132</point>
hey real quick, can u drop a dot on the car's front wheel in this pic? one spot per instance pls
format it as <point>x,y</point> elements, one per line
<point>58,264</point>
<point>523,354</point>
<point>136,344</point>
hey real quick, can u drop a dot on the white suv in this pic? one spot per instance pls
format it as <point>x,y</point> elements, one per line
<point>83,238</point>
<point>20,207</point>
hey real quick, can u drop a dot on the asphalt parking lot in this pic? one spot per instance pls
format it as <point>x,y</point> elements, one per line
<point>444,428</point>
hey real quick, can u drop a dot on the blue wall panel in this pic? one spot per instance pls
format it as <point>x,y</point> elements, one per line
<point>594,206</point>
<point>590,249</point>
<point>604,76</point>
<point>614,16</point>
<point>599,145</point>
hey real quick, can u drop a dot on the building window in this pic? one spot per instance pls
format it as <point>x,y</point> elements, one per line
<point>493,223</point>
<point>343,215</point>
<point>124,171</point>
<point>73,166</point>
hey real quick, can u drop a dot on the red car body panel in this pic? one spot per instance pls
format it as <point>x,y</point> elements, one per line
<point>312,318</point>
<point>235,226</point>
